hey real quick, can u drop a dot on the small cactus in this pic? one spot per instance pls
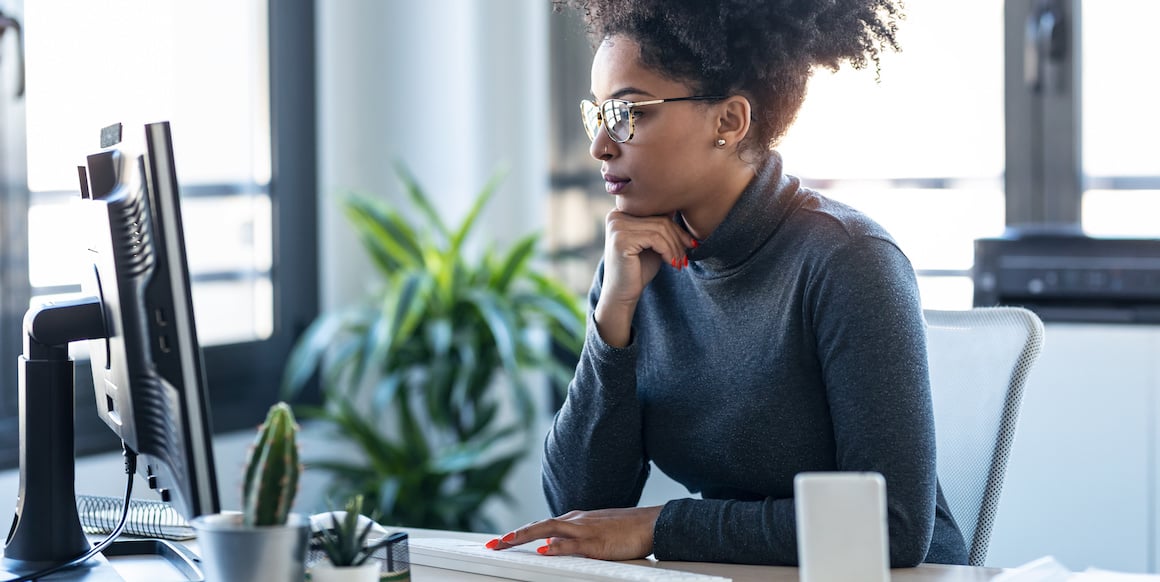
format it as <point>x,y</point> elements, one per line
<point>272,470</point>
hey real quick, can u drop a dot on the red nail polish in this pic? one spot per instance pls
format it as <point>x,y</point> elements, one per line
<point>508,538</point>
<point>674,262</point>
<point>686,261</point>
<point>695,243</point>
<point>542,550</point>
<point>491,545</point>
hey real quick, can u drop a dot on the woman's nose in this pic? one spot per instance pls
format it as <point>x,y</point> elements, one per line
<point>603,148</point>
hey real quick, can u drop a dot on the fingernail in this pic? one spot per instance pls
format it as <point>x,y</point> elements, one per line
<point>491,545</point>
<point>695,243</point>
<point>542,550</point>
<point>674,262</point>
<point>686,261</point>
<point>508,538</point>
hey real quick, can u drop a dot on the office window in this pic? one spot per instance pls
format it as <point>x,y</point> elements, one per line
<point>921,151</point>
<point>1121,154</point>
<point>236,81</point>
<point>158,67</point>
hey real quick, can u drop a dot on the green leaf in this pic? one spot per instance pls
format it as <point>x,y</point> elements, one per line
<point>388,496</point>
<point>490,477</point>
<point>414,308</point>
<point>469,220</point>
<point>439,335</point>
<point>422,202</point>
<point>415,441</point>
<point>386,457</point>
<point>343,367</point>
<point>557,313</point>
<point>439,332</point>
<point>467,363</point>
<point>497,314</point>
<point>514,263</point>
<point>484,415</point>
<point>489,442</point>
<point>502,325</point>
<point>386,389</point>
<point>392,243</point>
<point>555,291</point>
<point>400,315</point>
<point>307,351</point>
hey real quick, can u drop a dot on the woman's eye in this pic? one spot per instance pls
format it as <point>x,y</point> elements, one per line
<point>637,114</point>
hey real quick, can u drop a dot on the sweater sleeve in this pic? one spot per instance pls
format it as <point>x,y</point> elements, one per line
<point>864,311</point>
<point>871,340</point>
<point>594,452</point>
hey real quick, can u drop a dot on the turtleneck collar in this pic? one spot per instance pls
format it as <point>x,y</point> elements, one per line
<point>760,209</point>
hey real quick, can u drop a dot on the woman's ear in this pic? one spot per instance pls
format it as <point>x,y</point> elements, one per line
<point>733,120</point>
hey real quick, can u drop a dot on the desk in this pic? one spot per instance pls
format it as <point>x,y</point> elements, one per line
<point>153,569</point>
<point>739,573</point>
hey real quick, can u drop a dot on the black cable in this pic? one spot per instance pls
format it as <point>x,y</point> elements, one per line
<point>130,469</point>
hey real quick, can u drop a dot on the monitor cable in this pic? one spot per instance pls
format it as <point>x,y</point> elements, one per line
<point>130,470</point>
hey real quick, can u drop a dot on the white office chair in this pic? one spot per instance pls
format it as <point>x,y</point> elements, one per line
<point>979,361</point>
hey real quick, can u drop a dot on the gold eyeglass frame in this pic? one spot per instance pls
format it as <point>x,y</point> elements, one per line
<point>587,104</point>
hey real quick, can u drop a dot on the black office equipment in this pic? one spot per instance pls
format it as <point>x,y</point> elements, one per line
<point>1070,277</point>
<point>147,368</point>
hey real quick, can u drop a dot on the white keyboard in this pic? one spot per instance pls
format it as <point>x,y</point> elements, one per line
<point>523,563</point>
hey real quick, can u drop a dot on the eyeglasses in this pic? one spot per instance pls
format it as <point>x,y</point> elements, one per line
<point>617,117</point>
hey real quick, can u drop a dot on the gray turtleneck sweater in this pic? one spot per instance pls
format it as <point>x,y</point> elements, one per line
<point>794,341</point>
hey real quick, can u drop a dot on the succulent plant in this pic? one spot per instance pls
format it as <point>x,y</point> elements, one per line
<point>343,543</point>
<point>272,470</point>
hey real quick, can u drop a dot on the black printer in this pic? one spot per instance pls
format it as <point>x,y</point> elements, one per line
<point>1070,277</point>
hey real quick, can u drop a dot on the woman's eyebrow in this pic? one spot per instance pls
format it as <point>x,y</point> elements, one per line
<point>630,91</point>
<point>620,94</point>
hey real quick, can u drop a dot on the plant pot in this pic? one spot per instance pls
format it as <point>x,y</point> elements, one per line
<point>327,572</point>
<point>231,551</point>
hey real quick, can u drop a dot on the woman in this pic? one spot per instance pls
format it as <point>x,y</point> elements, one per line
<point>743,328</point>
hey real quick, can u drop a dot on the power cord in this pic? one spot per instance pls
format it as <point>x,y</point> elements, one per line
<point>130,470</point>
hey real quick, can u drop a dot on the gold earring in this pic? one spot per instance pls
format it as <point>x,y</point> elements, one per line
<point>721,143</point>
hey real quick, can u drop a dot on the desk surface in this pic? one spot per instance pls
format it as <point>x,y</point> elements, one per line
<point>739,573</point>
<point>156,570</point>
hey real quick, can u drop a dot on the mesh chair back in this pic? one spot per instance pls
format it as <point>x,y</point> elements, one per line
<point>979,361</point>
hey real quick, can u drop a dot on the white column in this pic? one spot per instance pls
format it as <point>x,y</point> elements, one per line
<point>453,88</point>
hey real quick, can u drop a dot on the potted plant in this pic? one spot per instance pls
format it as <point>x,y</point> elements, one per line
<point>348,549</point>
<point>265,541</point>
<point>427,378</point>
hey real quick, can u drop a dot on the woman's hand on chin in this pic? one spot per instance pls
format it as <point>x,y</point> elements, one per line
<point>605,534</point>
<point>635,249</point>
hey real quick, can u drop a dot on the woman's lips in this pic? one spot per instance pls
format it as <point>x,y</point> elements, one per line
<point>615,184</point>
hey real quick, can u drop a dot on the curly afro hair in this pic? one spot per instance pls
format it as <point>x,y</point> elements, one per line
<point>763,49</point>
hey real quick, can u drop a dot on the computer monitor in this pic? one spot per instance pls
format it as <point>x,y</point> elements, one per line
<point>148,376</point>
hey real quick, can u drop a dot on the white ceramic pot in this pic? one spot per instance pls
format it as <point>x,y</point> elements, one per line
<point>326,572</point>
<point>231,551</point>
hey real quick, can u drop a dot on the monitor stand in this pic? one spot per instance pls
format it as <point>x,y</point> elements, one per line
<point>47,528</point>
